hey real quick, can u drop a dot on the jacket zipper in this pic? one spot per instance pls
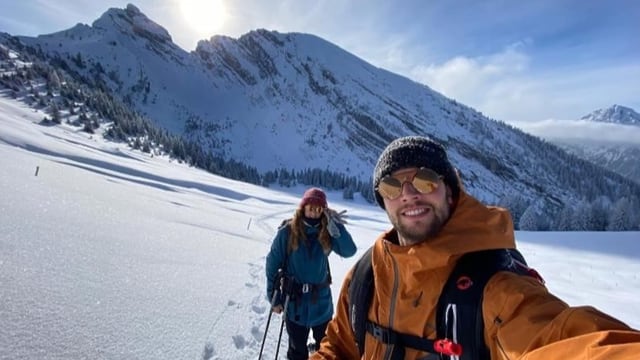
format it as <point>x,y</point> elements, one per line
<point>394,295</point>
<point>498,322</point>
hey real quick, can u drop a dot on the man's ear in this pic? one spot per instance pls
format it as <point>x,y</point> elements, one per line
<point>459,179</point>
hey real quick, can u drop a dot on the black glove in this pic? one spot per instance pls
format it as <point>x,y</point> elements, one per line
<point>277,288</point>
<point>287,284</point>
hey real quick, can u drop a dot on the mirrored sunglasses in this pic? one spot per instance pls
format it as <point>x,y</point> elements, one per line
<point>424,180</point>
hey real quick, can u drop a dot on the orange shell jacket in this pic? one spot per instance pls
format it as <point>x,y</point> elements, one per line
<point>522,319</point>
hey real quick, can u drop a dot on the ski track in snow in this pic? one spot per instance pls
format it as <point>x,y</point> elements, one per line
<point>221,343</point>
<point>245,343</point>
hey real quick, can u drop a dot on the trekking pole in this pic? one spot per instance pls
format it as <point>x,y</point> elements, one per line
<point>284,317</point>
<point>266,328</point>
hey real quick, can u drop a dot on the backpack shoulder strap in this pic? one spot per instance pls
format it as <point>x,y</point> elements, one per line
<point>459,314</point>
<point>459,318</point>
<point>286,223</point>
<point>360,295</point>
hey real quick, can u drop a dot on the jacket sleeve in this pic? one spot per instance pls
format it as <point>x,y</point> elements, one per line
<point>524,321</point>
<point>339,343</point>
<point>275,259</point>
<point>343,245</point>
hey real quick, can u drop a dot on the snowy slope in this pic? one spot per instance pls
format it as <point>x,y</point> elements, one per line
<point>108,253</point>
<point>296,101</point>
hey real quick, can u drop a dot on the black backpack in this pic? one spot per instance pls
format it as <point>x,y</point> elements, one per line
<point>460,300</point>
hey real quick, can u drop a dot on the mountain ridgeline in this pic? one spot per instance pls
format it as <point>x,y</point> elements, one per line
<point>294,108</point>
<point>619,156</point>
<point>616,114</point>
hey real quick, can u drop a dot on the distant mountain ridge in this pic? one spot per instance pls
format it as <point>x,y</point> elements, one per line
<point>622,157</point>
<point>295,101</point>
<point>616,114</point>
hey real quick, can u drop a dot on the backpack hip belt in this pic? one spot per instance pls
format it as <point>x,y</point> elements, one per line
<point>304,288</point>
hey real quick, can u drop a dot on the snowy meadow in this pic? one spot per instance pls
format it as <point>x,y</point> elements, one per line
<point>109,253</point>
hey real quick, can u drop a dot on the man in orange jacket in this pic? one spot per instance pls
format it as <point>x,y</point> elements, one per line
<point>435,222</point>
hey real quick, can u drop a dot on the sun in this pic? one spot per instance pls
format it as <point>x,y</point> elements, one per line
<point>204,16</point>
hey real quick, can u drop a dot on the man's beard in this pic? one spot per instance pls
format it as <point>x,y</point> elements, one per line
<point>418,233</point>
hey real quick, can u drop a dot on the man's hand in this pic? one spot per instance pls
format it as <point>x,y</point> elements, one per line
<point>277,309</point>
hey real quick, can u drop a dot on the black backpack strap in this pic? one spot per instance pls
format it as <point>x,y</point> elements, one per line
<point>360,295</point>
<point>459,314</point>
<point>286,223</point>
<point>400,341</point>
<point>459,318</point>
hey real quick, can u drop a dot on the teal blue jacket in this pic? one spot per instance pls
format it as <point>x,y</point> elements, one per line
<point>307,264</point>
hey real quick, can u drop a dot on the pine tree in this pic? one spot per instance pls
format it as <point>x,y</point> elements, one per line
<point>619,219</point>
<point>55,113</point>
<point>580,216</point>
<point>529,219</point>
<point>563,219</point>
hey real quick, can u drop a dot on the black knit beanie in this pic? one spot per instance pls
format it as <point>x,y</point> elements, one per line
<point>415,151</point>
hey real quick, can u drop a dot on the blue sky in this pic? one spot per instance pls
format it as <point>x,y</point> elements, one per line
<point>514,61</point>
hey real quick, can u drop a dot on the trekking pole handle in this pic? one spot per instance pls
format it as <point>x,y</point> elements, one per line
<point>274,297</point>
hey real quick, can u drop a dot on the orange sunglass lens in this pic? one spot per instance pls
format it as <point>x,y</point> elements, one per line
<point>423,180</point>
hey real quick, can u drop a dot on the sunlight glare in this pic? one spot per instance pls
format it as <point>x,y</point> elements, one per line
<point>204,16</point>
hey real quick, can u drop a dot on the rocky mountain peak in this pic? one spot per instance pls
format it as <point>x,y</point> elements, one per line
<point>616,114</point>
<point>131,20</point>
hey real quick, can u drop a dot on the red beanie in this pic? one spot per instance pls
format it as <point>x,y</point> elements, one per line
<point>314,196</point>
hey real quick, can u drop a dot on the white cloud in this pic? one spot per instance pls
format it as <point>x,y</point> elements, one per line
<point>582,130</point>
<point>474,81</point>
<point>459,71</point>
<point>506,86</point>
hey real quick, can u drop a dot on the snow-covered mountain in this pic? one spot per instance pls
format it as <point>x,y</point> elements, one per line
<point>622,157</point>
<point>296,101</point>
<point>615,114</point>
<point>109,253</point>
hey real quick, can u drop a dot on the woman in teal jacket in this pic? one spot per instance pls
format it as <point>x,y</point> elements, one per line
<point>301,249</point>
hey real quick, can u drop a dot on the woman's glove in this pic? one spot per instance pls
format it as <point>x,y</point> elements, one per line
<point>333,218</point>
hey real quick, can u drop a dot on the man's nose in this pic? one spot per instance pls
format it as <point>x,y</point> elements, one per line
<point>408,189</point>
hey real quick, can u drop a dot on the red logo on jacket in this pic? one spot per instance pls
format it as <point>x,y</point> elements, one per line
<point>464,282</point>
